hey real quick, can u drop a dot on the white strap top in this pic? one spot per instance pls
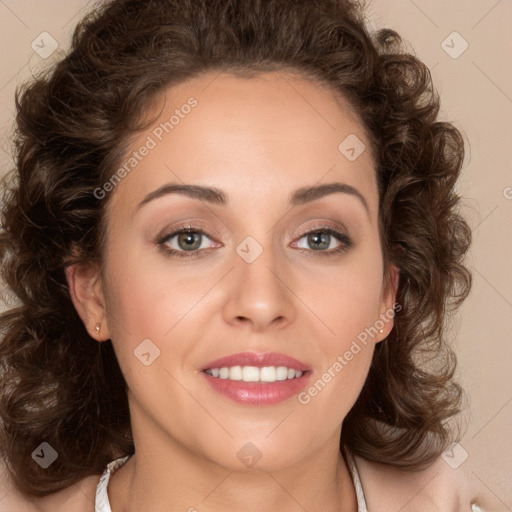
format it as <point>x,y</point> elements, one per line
<point>102,503</point>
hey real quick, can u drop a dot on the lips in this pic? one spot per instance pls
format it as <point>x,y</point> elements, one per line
<point>257,379</point>
<point>258,360</point>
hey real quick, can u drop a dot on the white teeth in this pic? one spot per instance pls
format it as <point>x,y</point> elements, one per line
<point>250,374</point>
<point>235,373</point>
<point>268,374</point>
<point>281,373</point>
<point>255,374</point>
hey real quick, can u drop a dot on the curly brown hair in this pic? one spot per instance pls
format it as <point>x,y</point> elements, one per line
<point>73,125</point>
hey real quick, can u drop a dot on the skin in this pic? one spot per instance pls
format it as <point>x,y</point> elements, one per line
<point>258,140</point>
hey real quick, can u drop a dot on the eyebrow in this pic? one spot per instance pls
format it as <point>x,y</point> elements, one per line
<point>216,196</point>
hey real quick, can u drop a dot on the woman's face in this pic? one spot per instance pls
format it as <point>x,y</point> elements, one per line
<point>277,270</point>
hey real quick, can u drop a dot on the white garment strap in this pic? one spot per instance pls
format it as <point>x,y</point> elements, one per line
<point>361,502</point>
<point>102,503</point>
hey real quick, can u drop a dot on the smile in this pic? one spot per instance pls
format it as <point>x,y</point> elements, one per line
<point>257,379</point>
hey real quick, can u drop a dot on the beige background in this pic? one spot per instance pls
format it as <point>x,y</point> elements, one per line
<point>476,93</point>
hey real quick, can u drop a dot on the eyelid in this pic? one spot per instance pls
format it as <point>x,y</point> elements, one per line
<point>319,225</point>
<point>192,223</point>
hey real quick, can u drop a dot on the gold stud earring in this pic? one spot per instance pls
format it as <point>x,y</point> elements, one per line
<point>98,327</point>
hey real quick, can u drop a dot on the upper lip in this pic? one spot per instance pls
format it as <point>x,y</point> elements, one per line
<point>259,360</point>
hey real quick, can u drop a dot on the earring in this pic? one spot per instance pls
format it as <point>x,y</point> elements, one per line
<point>98,327</point>
<point>381,330</point>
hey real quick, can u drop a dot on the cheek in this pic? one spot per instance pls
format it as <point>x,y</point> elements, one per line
<point>171,308</point>
<point>346,301</point>
<point>151,300</point>
<point>352,306</point>
<point>346,297</point>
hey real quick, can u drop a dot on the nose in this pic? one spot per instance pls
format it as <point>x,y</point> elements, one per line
<point>258,294</point>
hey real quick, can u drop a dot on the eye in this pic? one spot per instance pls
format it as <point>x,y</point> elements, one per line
<point>183,240</point>
<point>322,238</point>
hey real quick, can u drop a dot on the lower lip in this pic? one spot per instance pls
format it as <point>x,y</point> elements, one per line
<point>258,393</point>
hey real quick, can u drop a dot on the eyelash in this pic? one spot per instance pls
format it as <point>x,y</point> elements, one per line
<point>346,241</point>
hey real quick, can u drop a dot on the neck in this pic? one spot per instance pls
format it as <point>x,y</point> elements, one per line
<point>165,475</point>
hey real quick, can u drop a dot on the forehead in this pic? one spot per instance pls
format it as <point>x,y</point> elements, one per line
<point>272,132</point>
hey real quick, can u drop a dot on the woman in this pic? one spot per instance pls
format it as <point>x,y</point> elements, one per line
<point>234,240</point>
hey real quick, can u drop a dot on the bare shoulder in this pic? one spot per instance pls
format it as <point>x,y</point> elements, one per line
<point>438,487</point>
<point>77,498</point>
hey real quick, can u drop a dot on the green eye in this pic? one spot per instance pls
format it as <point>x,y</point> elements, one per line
<point>184,240</point>
<point>321,239</point>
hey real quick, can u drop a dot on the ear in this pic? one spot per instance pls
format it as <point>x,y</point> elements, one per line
<point>388,301</point>
<point>85,288</point>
